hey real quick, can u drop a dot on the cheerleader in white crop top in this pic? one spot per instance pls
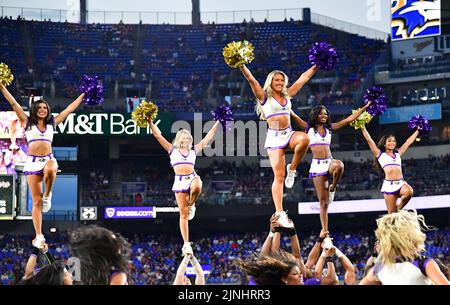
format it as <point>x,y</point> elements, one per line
<point>319,130</point>
<point>390,162</point>
<point>40,165</point>
<point>187,185</point>
<point>400,259</point>
<point>274,105</point>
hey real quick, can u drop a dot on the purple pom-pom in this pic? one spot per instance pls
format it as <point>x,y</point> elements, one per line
<point>323,55</point>
<point>422,123</point>
<point>93,89</point>
<point>378,98</point>
<point>224,115</point>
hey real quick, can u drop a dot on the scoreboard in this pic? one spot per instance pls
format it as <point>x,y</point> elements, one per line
<point>7,197</point>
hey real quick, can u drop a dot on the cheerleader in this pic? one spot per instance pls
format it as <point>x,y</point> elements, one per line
<point>104,255</point>
<point>281,268</point>
<point>187,184</point>
<point>389,161</point>
<point>274,105</point>
<point>40,165</point>
<point>400,261</point>
<point>319,130</point>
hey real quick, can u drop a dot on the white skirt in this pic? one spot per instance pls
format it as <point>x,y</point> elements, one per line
<point>319,167</point>
<point>34,165</point>
<point>277,139</point>
<point>182,183</point>
<point>392,186</point>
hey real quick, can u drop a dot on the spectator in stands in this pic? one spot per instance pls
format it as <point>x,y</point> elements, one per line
<point>319,129</point>
<point>390,162</point>
<point>280,136</point>
<point>187,184</point>
<point>130,105</point>
<point>103,255</point>
<point>400,261</point>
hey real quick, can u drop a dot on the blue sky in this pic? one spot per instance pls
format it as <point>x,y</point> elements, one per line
<point>368,13</point>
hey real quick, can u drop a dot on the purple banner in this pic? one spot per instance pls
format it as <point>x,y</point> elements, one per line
<point>130,212</point>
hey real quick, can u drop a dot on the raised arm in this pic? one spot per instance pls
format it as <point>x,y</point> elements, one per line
<point>408,142</point>
<point>350,276</point>
<point>181,270</point>
<point>295,250</point>
<point>350,118</point>
<point>266,248</point>
<point>299,120</point>
<point>207,138</point>
<point>330,278</point>
<point>31,263</point>
<point>301,81</point>
<point>16,107</point>
<point>373,147</point>
<point>159,137</point>
<point>199,274</point>
<point>69,109</point>
<point>315,251</point>
<point>435,274</point>
<point>256,87</point>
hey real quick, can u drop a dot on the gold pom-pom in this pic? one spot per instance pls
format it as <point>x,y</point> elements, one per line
<point>237,53</point>
<point>363,119</point>
<point>5,74</point>
<point>144,111</point>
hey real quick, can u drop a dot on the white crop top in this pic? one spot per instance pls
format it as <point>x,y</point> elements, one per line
<point>315,138</point>
<point>385,159</point>
<point>176,157</point>
<point>272,107</point>
<point>33,133</point>
<point>405,273</point>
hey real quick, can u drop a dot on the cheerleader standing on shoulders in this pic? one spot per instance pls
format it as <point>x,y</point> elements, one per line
<point>40,165</point>
<point>390,162</point>
<point>319,130</point>
<point>274,105</point>
<point>187,185</point>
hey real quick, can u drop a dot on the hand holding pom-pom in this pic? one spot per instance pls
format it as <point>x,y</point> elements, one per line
<point>6,77</point>
<point>224,115</point>
<point>420,123</point>
<point>323,55</point>
<point>378,100</point>
<point>237,53</point>
<point>144,112</point>
<point>93,89</point>
<point>362,120</point>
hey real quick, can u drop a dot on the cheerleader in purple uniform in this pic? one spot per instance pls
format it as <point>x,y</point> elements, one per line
<point>319,130</point>
<point>390,162</point>
<point>41,165</point>
<point>187,184</point>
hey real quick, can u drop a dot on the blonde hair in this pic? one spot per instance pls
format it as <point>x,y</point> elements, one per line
<point>400,235</point>
<point>179,135</point>
<point>268,90</point>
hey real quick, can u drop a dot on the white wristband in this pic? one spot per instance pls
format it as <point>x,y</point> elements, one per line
<point>271,234</point>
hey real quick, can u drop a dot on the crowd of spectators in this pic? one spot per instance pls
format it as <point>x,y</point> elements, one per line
<point>230,183</point>
<point>181,65</point>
